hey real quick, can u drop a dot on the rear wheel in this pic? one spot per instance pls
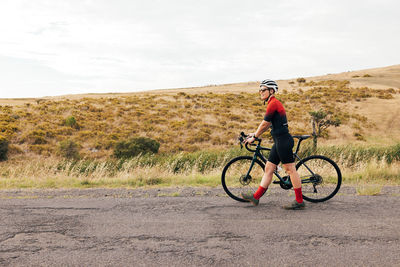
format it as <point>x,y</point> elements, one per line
<point>237,179</point>
<point>320,177</point>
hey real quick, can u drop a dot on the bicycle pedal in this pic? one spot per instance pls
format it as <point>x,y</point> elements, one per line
<point>276,182</point>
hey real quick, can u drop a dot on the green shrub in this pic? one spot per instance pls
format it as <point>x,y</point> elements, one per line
<point>393,153</point>
<point>3,148</point>
<point>301,80</point>
<point>69,149</point>
<point>71,122</point>
<point>135,146</point>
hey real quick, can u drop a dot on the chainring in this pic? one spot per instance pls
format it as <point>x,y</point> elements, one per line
<point>283,185</point>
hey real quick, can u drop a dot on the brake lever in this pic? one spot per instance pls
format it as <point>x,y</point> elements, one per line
<point>242,138</point>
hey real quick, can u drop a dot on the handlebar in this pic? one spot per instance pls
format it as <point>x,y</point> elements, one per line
<point>242,138</point>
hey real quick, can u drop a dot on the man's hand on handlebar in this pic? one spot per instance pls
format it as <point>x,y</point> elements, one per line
<point>247,139</point>
<point>250,139</point>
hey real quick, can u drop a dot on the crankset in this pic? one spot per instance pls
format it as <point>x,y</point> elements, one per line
<point>285,184</point>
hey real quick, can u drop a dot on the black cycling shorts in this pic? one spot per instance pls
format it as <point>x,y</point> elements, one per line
<point>282,150</point>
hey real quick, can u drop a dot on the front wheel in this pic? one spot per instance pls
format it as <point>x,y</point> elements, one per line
<point>320,177</point>
<point>242,175</point>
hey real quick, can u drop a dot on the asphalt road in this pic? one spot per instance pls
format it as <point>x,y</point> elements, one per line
<point>195,227</point>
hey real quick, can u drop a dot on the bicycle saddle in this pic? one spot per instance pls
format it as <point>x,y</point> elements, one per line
<point>302,137</point>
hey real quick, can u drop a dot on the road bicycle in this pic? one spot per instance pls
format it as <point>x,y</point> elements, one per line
<point>320,176</point>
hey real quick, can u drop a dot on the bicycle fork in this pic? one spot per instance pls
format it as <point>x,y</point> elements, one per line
<point>251,167</point>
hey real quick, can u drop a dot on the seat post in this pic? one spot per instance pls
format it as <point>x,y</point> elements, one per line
<point>298,144</point>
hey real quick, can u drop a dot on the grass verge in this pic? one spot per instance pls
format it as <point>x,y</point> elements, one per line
<point>186,169</point>
<point>369,190</point>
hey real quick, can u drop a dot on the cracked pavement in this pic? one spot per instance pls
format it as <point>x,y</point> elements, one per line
<point>119,227</point>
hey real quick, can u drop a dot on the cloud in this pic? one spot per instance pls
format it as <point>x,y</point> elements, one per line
<point>98,46</point>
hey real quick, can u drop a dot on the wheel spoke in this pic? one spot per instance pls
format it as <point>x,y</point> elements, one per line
<point>235,181</point>
<point>323,182</point>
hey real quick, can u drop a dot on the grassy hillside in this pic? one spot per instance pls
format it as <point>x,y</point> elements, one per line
<point>202,121</point>
<point>193,121</point>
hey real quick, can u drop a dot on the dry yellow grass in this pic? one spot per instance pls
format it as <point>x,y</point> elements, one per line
<point>196,118</point>
<point>368,177</point>
<point>382,113</point>
<point>368,190</point>
<point>39,173</point>
<point>382,78</point>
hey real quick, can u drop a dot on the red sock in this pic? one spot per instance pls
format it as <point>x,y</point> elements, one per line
<point>299,196</point>
<point>260,192</point>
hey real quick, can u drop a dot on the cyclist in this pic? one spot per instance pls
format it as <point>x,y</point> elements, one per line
<point>281,151</point>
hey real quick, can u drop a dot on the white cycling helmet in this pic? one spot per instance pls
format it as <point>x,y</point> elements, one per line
<point>270,84</point>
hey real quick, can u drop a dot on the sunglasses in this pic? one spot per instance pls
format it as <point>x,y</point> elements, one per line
<point>262,90</point>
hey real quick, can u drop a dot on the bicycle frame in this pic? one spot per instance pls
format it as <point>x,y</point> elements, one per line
<point>315,171</point>
<point>259,155</point>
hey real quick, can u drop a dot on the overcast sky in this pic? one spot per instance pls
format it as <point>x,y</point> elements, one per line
<point>56,47</point>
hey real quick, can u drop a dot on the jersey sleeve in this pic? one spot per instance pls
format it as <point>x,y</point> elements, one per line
<point>271,109</point>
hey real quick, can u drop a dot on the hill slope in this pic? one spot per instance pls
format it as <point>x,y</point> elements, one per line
<point>381,78</point>
<point>191,119</point>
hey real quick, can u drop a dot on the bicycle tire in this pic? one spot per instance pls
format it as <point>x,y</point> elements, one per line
<point>325,170</point>
<point>233,180</point>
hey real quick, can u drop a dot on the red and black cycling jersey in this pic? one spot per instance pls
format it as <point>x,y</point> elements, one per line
<point>276,114</point>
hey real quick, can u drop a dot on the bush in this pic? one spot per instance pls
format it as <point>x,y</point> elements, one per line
<point>301,80</point>
<point>3,148</point>
<point>135,146</point>
<point>69,149</point>
<point>71,122</point>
